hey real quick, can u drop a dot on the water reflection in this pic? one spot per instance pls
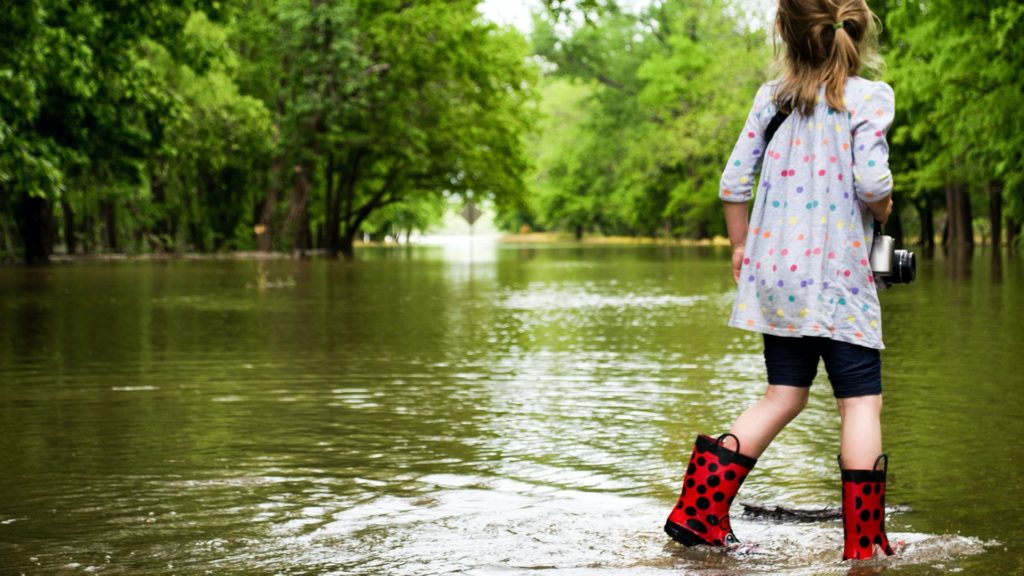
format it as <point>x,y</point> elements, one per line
<point>477,409</point>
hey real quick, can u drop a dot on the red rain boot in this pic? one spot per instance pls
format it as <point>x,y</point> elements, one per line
<point>715,473</point>
<point>864,511</point>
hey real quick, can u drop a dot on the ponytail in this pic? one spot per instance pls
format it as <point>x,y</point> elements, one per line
<point>826,41</point>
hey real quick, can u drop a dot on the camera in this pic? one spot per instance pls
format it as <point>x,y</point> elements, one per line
<point>891,266</point>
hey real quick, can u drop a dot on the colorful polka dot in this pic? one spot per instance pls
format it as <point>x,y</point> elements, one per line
<point>820,235</point>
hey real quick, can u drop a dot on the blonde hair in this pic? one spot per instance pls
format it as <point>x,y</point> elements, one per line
<point>826,41</point>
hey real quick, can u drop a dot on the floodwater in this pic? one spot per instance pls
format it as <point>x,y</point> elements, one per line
<point>478,410</point>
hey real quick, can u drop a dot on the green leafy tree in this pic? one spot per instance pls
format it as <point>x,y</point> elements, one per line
<point>80,112</point>
<point>963,86</point>
<point>206,178</point>
<point>670,88</point>
<point>384,103</point>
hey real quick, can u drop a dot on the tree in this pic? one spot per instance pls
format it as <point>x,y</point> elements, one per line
<point>80,112</point>
<point>379,103</point>
<point>670,89</point>
<point>964,87</point>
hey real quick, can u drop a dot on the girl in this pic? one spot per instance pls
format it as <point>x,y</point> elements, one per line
<point>802,268</point>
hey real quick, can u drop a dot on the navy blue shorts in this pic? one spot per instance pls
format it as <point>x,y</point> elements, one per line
<point>853,370</point>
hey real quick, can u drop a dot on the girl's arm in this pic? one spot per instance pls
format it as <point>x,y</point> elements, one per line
<point>736,223</point>
<point>737,185</point>
<point>872,179</point>
<point>881,209</point>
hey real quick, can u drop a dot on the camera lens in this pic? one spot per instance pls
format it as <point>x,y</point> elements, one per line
<point>905,268</point>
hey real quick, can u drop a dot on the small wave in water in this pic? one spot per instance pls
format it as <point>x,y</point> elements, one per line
<point>470,525</point>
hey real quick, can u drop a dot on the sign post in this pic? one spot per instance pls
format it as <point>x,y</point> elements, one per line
<point>471,214</point>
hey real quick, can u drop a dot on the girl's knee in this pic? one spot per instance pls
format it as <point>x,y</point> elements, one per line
<point>789,399</point>
<point>857,403</point>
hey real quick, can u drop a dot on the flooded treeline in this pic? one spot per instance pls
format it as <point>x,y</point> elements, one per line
<point>293,125</point>
<point>644,110</point>
<point>251,124</point>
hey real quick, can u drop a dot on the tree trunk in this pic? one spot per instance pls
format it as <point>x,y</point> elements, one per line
<point>578,233</point>
<point>958,217</point>
<point>196,235</point>
<point>35,224</point>
<point>331,206</point>
<point>264,221</point>
<point>342,209</point>
<point>162,235</point>
<point>1012,233</point>
<point>195,226</point>
<point>88,229</point>
<point>353,219</point>
<point>894,227</point>
<point>702,229</point>
<point>109,215</point>
<point>995,212</point>
<point>297,204</point>
<point>7,244</point>
<point>69,226</point>
<point>307,229</point>
<point>927,217</point>
<point>346,243</point>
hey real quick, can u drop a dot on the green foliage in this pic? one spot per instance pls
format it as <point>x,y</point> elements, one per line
<point>661,95</point>
<point>384,104</point>
<point>229,125</point>
<point>962,88</point>
<point>667,90</point>
<point>292,124</point>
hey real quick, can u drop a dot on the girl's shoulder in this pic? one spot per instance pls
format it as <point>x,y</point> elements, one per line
<point>858,88</point>
<point>764,100</point>
<point>857,91</point>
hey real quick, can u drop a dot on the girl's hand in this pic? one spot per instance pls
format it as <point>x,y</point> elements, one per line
<point>882,209</point>
<point>737,262</point>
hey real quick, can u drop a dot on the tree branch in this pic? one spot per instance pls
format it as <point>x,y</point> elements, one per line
<point>353,219</point>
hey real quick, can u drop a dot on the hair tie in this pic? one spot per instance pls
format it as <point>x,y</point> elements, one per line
<point>837,25</point>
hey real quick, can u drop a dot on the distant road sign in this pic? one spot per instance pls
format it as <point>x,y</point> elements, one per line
<point>471,213</point>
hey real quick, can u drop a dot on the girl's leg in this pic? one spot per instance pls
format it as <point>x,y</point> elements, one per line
<point>716,472</point>
<point>759,424</point>
<point>863,487</point>
<point>861,440</point>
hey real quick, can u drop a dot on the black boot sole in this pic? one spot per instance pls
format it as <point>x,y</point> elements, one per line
<point>682,535</point>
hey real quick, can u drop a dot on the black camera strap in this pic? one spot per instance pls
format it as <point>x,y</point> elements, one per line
<point>773,126</point>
